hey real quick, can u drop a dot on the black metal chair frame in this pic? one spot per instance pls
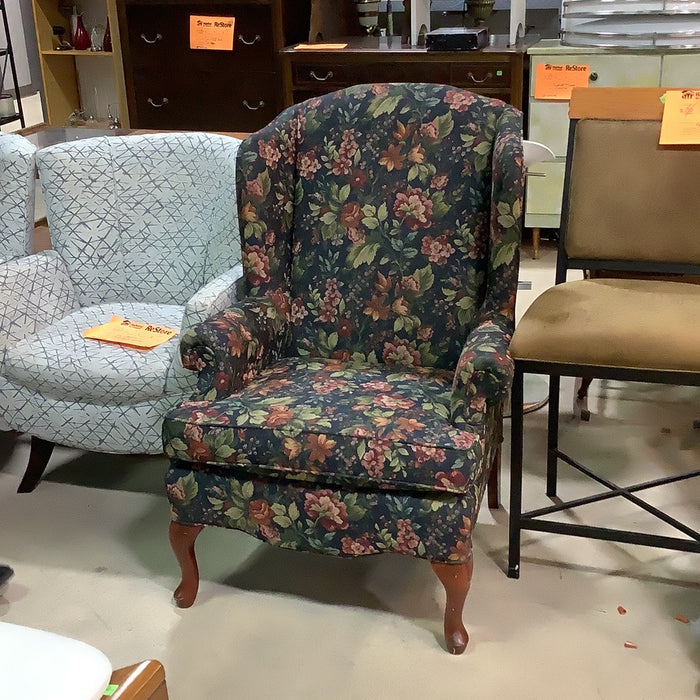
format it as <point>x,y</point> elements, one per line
<point>531,519</point>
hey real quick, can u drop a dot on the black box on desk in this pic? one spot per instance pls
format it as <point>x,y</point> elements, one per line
<point>457,39</point>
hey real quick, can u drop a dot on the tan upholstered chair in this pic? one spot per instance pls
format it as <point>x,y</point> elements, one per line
<point>629,207</point>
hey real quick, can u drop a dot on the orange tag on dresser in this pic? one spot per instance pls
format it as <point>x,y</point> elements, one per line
<point>680,124</point>
<point>555,81</point>
<point>212,33</point>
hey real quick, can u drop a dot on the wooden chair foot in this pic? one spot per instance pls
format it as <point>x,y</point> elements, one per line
<point>182,538</point>
<point>39,456</point>
<point>456,579</point>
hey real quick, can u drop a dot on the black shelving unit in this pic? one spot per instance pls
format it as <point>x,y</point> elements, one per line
<point>7,58</point>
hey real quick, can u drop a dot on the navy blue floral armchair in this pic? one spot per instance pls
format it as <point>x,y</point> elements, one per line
<point>351,403</point>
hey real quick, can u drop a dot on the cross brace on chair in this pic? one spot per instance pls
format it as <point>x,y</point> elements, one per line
<point>531,519</point>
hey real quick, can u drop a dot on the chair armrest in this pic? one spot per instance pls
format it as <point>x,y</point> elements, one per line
<point>214,297</point>
<point>229,349</point>
<point>484,372</point>
<point>35,290</point>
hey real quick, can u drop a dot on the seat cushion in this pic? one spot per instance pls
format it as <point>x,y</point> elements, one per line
<point>335,422</point>
<point>626,323</point>
<point>59,363</point>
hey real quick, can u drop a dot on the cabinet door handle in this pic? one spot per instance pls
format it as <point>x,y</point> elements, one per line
<point>163,102</point>
<point>254,109</point>
<point>474,79</point>
<point>593,76</point>
<point>151,41</point>
<point>249,43</point>
<point>316,77</point>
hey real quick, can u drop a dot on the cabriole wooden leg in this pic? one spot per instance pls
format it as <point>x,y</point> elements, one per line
<point>456,578</point>
<point>182,539</point>
<point>39,456</point>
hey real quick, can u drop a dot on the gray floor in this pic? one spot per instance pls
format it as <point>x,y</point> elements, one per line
<point>92,561</point>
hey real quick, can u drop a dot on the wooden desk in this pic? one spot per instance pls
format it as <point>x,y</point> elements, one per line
<point>492,71</point>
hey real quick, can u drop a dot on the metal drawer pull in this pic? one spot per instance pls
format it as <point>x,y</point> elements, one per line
<point>163,102</point>
<point>254,109</point>
<point>471,76</point>
<point>151,41</point>
<point>315,77</point>
<point>249,43</point>
<point>529,174</point>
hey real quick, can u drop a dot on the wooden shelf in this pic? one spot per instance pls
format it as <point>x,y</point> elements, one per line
<point>72,52</point>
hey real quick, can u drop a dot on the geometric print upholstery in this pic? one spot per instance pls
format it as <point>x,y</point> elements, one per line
<point>147,218</point>
<point>17,179</point>
<point>167,252</point>
<point>100,373</point>
<point>36,290</point>
<point>125,429</point>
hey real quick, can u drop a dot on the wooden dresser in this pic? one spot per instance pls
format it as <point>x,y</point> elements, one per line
<point>492,71</point>
<point>170,86</point>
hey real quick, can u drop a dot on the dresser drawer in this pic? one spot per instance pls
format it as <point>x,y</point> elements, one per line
<point>240,102</point>
<point>160,35</point>
<point>545,188</point>
<point>480,75</point>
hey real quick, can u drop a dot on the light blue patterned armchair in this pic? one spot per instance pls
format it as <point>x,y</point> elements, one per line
<point>17,178</point>
<point>17,189</point>
<point>351,404</point>
<point>144,227</point>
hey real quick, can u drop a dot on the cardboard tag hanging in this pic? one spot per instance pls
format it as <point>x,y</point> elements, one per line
<point>212,33</point>
<point>680,124</point>
<point>135,334</point>
<point>555,81</point>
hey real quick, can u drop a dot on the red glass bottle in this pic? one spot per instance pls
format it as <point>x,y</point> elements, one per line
<point>81,39</point>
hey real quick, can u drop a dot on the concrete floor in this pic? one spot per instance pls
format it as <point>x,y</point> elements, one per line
<point>92,561</point>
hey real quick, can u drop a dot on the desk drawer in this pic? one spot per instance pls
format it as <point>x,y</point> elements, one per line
<point>477,76</point>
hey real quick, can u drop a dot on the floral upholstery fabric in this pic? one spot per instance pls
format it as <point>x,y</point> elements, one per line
<point>335,422</point>
<point>144,227</point>
<point>17,180</point>
<point>351,402</point>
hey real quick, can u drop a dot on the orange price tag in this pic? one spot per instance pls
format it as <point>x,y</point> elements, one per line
<point>554,81</point>
<point>122,331</point>
<point>323,47</point>
<point>680,123</point>
<point>213,33</point>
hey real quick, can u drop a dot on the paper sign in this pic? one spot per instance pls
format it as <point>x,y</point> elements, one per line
<point>135,334</point>
<point>554,81</point>
<point>680,123</point>
<point>312,47</point>
<point>213,33</point>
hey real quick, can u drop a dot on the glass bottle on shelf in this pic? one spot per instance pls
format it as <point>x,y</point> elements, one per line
<point>81,40</point>
<point>107,41</point>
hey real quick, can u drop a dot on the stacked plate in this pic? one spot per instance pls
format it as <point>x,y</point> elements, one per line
<point>631,23</point>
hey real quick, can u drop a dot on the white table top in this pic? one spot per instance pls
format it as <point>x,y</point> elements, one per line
<point>39,665</point>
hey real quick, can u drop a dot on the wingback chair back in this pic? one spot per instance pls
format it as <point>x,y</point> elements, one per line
<point>132,222</point>
<point>605,221</point>
<point>369,211</point>
<point>17,180</point>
